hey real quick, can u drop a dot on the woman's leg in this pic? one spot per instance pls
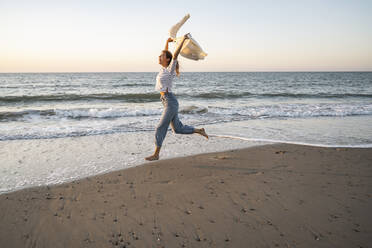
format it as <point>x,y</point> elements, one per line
<point>161,130</point>
<point>180,128</point>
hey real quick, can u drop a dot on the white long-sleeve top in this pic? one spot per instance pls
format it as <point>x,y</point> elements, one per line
<point>165,77</point>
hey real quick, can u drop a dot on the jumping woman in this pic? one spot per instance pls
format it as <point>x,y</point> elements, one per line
<point>164,79</point>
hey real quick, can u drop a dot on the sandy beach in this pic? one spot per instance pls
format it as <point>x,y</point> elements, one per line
<point>265,196</point>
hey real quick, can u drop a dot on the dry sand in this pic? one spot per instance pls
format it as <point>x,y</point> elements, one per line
<point>266,196</point>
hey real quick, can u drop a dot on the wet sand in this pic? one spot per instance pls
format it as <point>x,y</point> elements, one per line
<point>266,196</point>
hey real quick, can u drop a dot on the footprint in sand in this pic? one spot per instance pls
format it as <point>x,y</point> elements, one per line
<point>280,152</point>
<point>221,157</point>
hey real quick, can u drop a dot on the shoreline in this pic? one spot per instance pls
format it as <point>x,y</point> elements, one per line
<point>263,196</point>
<point>38,162</point>
<point>33,162</point>
<point>242,143</point>
<point>145,163</point>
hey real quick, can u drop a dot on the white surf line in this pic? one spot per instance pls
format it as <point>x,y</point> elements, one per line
<point>290,142</point>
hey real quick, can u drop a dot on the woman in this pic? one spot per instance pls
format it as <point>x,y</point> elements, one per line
<point>164,80</point>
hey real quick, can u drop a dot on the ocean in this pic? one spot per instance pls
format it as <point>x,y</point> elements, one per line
<point>57,127</point>
<point>327,108</point>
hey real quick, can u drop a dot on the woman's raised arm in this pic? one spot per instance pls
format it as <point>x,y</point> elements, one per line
<point>166,43</point>
<point>177,52</point>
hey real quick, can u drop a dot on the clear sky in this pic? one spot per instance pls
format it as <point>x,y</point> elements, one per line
<point>107,35</point>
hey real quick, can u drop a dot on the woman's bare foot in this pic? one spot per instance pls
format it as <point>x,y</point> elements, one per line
<point>202,132</point>
<point>152,157</point>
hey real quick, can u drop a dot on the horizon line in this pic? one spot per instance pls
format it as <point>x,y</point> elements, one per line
<point>45,72</point>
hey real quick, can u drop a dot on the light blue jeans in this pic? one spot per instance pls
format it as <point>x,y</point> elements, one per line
<point>170,116</point>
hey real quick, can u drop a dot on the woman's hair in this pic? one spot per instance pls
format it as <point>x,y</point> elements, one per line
<point>169,56</point>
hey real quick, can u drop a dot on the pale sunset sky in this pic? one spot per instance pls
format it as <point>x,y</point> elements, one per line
<point>125,36</point>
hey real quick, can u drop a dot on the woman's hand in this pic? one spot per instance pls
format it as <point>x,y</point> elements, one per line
<point>166,43</point>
